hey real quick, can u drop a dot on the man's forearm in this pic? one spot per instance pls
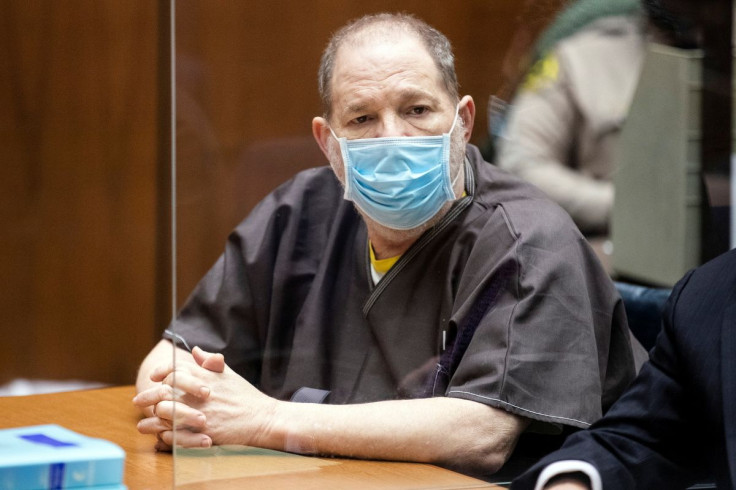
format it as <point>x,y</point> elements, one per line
<point>453,432</point>
<point>448,431</point>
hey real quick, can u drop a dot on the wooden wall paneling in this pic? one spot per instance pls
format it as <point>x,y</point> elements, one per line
<point>247,92</point>
<point>78,112</point>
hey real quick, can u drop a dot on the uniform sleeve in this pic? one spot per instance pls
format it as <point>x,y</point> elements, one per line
<point>647,438</point>
<point>544,330</point>
<point>222,314</point>
<point>539,145</point>
<point>259,283</point>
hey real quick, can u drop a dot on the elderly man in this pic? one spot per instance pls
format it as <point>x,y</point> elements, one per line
<point>439,315</point>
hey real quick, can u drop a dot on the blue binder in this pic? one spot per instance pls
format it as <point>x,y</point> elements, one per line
<point>52,457</point>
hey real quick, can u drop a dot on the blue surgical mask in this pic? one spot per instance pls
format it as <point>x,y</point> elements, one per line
<point>400,182</point>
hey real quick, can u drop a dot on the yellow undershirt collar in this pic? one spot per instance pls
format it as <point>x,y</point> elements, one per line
<point>382,266</point>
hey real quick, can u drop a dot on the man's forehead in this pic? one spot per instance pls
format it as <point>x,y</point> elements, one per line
<point>370,41</point>
<point>380,57</point>
<point>380,32</point>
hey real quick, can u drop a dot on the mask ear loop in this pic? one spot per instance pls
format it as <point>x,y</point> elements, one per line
<point>344,158</point>
<point>454,181</point>
<point>449,136</point>
<point>454,121</point>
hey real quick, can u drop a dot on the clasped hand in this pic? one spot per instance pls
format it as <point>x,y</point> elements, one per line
<point>204,402</point>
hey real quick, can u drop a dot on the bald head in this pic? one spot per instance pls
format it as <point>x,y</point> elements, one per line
<point>383,27</point>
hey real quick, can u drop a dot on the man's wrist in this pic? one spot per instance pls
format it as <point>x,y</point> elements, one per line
<point>297,438</point>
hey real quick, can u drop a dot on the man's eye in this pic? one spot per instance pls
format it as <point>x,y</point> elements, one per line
<point>360,120</point>
<point>418,111</point>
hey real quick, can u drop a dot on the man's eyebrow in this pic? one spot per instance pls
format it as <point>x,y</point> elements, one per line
<point>353,108</point>
<point>410,95</point>
<point>405,97</point>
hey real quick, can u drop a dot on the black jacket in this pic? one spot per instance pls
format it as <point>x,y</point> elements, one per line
<point>676,424</point>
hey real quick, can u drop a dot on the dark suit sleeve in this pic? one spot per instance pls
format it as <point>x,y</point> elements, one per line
<point>646,438</point>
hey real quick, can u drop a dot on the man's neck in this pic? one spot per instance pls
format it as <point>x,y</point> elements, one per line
<point>389,243</point>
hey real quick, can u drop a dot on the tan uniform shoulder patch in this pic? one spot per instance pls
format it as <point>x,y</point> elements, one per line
<point>542,73</point>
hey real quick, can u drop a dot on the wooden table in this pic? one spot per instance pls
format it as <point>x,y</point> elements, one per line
<point>109,414</point>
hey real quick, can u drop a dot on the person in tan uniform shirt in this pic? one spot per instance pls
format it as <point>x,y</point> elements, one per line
<point>564,122</point>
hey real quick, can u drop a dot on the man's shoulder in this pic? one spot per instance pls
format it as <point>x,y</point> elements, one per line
<point>722,267</point>
<point>527,209</point>
<point>311,188</point>
<point>715,280</point>
<point>306,181</point>
<point>494,184</point>
<point>310,197</point>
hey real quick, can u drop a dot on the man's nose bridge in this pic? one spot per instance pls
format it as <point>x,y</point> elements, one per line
<point>392,125</point>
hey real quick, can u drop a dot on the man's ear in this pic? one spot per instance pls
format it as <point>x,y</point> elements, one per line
<point>322,134</point>
<point>466,112</point>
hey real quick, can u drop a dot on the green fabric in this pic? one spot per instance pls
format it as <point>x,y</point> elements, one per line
<point>579,14</point>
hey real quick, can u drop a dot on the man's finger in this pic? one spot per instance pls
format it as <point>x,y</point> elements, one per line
<point>181,415</point>
<point>153,425</point>
<point>211,362</point>
<point>160,372</point>
<point>157,394</point>
<point>186,383</point>
<point>185,438</point>
<point>162,447</point>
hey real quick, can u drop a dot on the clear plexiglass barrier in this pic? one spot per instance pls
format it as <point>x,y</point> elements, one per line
<point>288,293</point>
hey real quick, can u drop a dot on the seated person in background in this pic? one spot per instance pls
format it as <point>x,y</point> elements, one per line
<point>677,422</point>
<point>430,307</point>
<point>563,124</point>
